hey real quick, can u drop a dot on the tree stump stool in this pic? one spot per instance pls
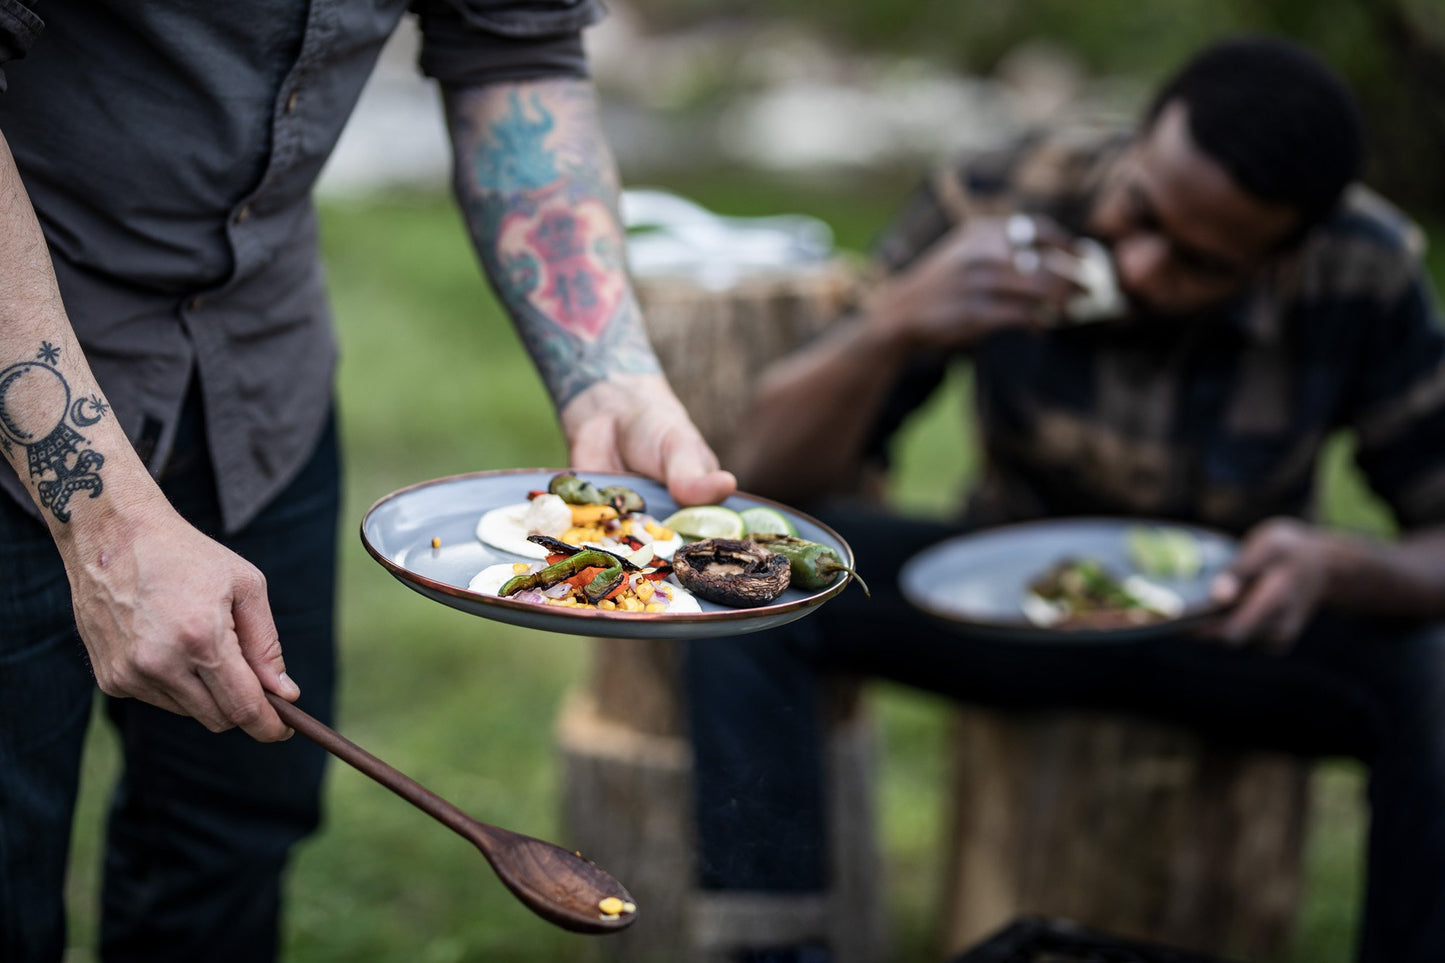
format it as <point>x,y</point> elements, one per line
<point>627,766</point>
<point>1122,825</point>
<point>1128,826</point>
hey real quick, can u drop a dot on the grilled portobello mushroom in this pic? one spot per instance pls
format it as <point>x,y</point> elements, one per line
<point>731,572</point>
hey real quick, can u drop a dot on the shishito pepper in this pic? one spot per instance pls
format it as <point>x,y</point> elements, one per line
<point>575,491</point>
<point>613,571</point>
<point>813,564</point>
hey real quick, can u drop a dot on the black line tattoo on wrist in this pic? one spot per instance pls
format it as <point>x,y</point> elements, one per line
<point>38,414</point>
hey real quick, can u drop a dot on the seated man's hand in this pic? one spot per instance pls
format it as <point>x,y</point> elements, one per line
<point>635,423</point>
<point>173,618</point>
<point>1275,585</point>
<point>973,281</point>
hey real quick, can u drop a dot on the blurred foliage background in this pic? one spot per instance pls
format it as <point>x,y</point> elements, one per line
<point>433,382</point>
<point>1391,51</point>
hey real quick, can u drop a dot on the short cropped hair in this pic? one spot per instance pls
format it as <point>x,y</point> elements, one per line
<point>1276,117</point>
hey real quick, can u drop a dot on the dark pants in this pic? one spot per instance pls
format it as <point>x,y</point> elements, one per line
<point>1371,690</point>
<point>200,824</point>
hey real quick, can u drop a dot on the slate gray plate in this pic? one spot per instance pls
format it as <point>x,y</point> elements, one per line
<point>975,583</point>
<point>398,532</point>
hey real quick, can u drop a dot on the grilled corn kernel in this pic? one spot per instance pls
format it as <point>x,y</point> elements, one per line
<point>578,534</point>
<point>436,543</point>
<point>644,590</point>
<point>607,604</point>
<point>658,532</point>
<point>629,907</point>
<point>591,514</point>
<point>654,607</point>
<point>610,905</point>
<point>520,568</point>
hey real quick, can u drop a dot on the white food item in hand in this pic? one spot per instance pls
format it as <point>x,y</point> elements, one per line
<point>1092,267</point>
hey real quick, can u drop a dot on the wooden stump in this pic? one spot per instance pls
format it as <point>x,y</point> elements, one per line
<point>1131,827</point>
<point>627,766</point>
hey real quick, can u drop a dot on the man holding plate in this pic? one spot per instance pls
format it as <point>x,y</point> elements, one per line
<point>166,364</point>
<point>1163,324</point>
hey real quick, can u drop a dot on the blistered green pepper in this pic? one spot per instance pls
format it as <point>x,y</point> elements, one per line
<point>813,564</point>
<point>575,491</point>
<point>603,584</point>
<point>559,571</point>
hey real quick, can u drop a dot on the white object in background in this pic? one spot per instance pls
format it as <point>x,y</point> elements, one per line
<point>668,235</point>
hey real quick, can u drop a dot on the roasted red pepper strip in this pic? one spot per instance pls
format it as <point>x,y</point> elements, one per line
<point>607,584</point>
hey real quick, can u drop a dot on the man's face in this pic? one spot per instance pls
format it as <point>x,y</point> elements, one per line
<point>1184,236</point>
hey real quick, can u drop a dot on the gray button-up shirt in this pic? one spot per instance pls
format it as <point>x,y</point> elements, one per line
<point>170,148</point>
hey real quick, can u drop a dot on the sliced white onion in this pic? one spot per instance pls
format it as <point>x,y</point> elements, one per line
<point>1166,602</point>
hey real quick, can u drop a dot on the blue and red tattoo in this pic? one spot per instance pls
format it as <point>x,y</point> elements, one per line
<point>539,193</point>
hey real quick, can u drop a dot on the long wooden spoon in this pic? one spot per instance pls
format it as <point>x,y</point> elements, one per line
<point>558,885</point>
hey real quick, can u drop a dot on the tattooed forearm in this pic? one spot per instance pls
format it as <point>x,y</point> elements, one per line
<point>38,414</point>
<point>540,195</point>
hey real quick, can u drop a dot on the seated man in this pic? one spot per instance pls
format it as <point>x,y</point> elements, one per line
<point>1270,300</point>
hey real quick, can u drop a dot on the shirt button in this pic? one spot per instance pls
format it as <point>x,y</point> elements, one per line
<point>242,215</point>
<point>291,100</point>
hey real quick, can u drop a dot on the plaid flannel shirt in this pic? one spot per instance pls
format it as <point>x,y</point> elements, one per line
<point>1219,421</point>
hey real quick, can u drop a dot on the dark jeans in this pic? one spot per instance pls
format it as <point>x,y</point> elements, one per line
<point>1371,690</point>
<point>200,824</point>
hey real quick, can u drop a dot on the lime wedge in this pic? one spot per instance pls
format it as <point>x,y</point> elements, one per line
<point>706,521</point>
<point>1164,552</point>
<point>1183,552</point>
<point>760,518</point>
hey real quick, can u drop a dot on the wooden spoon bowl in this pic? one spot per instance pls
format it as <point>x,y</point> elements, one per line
<point>559,885</point>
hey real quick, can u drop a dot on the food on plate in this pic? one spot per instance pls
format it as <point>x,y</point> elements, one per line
<point>697,522</point>
<point>1081,593</point>
<point>586,578</point>
<point>761,519</point>
<point>1164,551</point>
<point>601,551</point>
<point>578,513</point>
<point>812,565</point>
<point>575,491</point>
<point>731,571</point>
<point>599,574</point>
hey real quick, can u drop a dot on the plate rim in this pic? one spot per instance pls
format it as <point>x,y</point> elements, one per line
<point>770,612</point>
<point>1021,628</point>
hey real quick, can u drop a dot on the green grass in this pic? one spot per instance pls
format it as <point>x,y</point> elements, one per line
<point>433,382</point>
